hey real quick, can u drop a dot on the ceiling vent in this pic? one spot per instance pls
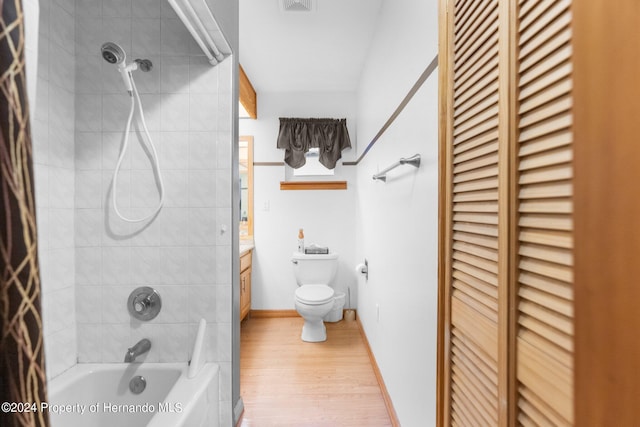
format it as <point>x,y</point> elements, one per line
<point>297,5</point>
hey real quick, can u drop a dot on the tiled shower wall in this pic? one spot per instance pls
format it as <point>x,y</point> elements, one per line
<point>185,253</point>
<point>53,143</point>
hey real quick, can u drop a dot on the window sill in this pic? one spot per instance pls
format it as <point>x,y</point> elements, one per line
<point>313,185</point>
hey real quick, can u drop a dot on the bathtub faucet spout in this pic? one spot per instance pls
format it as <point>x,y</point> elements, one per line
<point>141,347</point>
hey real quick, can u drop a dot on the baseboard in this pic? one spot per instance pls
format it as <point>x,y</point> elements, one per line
<point>262,314</point>
<point>383,388</point>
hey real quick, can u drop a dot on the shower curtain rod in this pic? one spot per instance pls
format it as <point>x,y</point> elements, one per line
<point>413,161</point>
<point>201,33</point>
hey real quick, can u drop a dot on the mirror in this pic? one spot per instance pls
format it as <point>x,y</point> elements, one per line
<point>246,187</point>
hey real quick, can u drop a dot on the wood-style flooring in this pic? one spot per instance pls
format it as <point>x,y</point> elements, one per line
<point>287,382</point>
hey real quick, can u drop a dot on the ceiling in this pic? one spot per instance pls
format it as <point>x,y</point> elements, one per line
<point>318,51</point>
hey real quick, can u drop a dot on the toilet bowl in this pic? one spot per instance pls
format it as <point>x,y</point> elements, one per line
<point>314,297</point>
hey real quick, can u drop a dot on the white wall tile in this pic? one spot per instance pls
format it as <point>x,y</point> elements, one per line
<point>175,38</point>
<point>174,268</point>
<point>116,8</point>
<point>202,188</point>
<point>146,8</point>
<point>146,264</point>
<point>68,5</point>
<point>61,188</point>
<point>88,113</point>
<point>223,304</point>
<point>111,142</point>
<point>89,36</point>
<point>61,267</point>
<point>223,188</point>
<point>144,189</point>
<point>117,30</point>
<point>152,107</point>
<point>88,305</point>
<point>61,228</point>
<point>202,150</point>
<point>88,194</point>
<point>141,153</point>
<point>175,74</point>
<point>176,185</point>
<point>115,111</point>
<point>114,304</point>
<point>203,78</point>
<point>88,74</point>
<point>63,32</point>
<point>145,37</point>
<point>89,343</point>
<point>174,304</point>
<point>62,69</point>
<point>116,265</point>
<point>175,112</point>
<point>88,270</point>
<point>202,227</point>
<point>175,153</point>
<point>202,304</point>
<point>116,339</point>
<point>202,265</point>
<point>88,227</point>
<point>223,218</point>
<point>203,112</point>
<point>173,223</point>
<point>223,147</point>
<point>223,265</point>
<point>88,8</point>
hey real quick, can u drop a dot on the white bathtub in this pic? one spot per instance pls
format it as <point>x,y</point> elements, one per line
<point>98,395</point>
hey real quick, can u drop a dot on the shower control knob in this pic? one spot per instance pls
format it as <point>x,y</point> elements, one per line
<point>144,303</point>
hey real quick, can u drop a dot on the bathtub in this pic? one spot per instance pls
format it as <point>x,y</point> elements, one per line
<point>98,395</point>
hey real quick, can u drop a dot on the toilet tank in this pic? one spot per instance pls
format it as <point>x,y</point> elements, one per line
<point>316,269</point>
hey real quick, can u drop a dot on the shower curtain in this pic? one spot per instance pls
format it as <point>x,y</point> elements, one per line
<point>22,369</point>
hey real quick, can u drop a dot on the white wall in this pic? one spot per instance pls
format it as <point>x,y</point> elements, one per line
<point>327,217</point>
<point>397,227</point>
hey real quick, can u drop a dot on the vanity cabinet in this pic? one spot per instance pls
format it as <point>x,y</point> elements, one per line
<point>245,284</point>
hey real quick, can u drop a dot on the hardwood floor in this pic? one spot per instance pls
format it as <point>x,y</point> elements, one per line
<point>287,382</point>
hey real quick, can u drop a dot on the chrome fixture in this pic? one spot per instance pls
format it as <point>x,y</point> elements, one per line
<point>137,384</point>
<point>413,161</point>
<point>144,303</point>
<point>141,347</point>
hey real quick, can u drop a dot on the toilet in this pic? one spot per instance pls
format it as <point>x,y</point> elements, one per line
<point>314,295</point>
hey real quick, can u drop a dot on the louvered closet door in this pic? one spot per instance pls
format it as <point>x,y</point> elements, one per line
<point>507,239</point>
<point>545,293</point>
<point>475,220</point>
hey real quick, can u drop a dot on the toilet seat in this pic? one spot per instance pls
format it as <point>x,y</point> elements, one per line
<point>314,294</point>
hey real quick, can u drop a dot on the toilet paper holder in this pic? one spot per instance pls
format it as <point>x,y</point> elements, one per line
<point>363,269</point>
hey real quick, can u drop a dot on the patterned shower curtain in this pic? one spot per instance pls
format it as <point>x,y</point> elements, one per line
<point>22,369</point>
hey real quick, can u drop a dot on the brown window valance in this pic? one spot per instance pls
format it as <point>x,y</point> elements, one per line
<point>297,136</point>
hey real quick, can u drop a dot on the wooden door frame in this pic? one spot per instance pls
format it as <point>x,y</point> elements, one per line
<point>606,212</point>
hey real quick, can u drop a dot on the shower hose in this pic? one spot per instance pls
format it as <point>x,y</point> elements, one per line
<point>135,100</point>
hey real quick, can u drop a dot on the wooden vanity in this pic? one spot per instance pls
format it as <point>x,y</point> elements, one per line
<point>245,283</point>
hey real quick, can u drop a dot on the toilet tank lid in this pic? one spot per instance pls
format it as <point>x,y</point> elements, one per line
<point>330,255</point>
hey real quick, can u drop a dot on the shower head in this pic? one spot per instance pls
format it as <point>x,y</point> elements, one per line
<point>113,53</point>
